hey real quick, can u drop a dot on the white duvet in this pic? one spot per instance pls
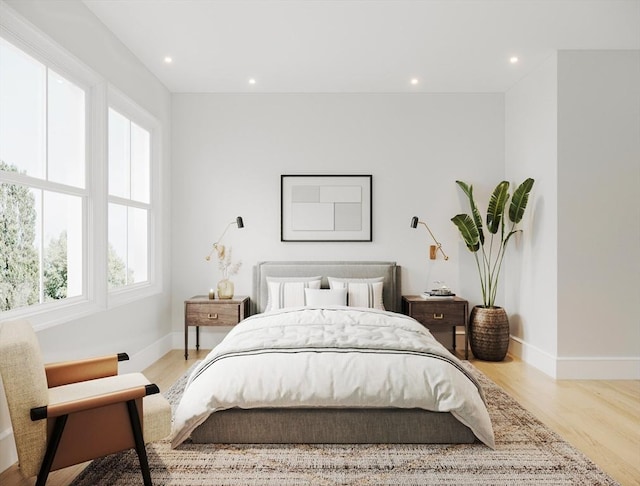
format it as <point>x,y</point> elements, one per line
<point>331,357</point>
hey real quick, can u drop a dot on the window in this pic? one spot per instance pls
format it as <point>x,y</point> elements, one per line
<point>42,182</point>
<point>133,228</point>
<point>129,200</point>
<point>78,196</point>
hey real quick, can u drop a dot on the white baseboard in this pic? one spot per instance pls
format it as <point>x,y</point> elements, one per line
<point>533,355</point>
<point>599,368</point>
<point>148,356</point>
<point>576,368</point>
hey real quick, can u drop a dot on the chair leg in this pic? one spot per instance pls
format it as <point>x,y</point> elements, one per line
<point>138,437</point>
<point>52,447</point>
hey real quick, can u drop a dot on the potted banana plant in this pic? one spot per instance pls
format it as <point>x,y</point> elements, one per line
<point>489,324</point>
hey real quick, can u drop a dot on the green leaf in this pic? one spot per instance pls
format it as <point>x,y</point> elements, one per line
<point>497,202</point>
<point>519,200</point>
<point>468,230</point>
<point>468,190</point>
<point>511,233</point>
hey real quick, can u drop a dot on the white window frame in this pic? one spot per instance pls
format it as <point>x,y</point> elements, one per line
<point>95,297</point>
<point>125,106</point>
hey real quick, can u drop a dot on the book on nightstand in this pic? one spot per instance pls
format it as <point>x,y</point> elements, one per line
<point>437,296</point>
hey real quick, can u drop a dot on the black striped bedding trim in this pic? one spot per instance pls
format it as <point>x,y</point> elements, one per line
<point>324,349</point>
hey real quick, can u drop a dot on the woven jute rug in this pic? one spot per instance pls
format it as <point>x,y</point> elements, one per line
<point>527,452</point>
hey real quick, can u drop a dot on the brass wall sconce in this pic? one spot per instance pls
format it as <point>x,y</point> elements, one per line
<point>433,249</point>
<point>217,247</point>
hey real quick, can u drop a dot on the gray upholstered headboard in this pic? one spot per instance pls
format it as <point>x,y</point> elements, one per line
<point>388,270</point>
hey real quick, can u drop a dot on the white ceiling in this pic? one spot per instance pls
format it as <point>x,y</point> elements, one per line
<point>360,46</point>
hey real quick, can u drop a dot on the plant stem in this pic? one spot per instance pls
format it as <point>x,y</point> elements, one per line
<point>481,274</point>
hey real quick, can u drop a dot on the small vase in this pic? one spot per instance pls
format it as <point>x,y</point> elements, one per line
<point>225,289</point>
<point>489,337</point>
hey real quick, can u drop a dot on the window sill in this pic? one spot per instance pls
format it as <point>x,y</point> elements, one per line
<point>51,314</point>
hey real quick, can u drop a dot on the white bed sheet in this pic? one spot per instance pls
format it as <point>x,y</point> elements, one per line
<point>331,357</point>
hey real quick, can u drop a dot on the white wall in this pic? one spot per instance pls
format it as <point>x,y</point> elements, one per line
<point>598,213</point>
<point>530,282</point>
<point>140,328</point>
<point>574,125</point>
<point>230,150</point>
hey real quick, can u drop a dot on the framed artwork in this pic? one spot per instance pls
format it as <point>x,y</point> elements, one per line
<point>325,208</point>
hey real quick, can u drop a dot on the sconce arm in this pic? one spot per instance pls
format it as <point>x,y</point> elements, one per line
<point>438,244</point>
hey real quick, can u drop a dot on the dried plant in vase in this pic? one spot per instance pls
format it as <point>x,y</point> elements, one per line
<point>228,268</point>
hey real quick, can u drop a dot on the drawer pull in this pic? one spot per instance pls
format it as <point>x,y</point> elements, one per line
<point>212,316</point>
<point>438,316</point>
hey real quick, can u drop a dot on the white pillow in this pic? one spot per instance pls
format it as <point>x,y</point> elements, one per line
<point>361,292</point>
<point>288,291</point>
<point>325,297</point>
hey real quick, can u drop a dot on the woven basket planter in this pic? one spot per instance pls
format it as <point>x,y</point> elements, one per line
<point>489,337</point>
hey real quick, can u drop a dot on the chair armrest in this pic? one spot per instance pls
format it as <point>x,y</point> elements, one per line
<point>66,372</point>
<point>94,401</point>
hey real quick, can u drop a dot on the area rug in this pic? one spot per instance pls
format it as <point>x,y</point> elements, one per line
<point>527,452</point>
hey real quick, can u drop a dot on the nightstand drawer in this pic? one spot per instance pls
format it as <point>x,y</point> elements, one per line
<point>439,314</point>
<point>212,314</point>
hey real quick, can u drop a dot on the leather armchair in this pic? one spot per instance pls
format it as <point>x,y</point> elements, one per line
<point>68,413</point>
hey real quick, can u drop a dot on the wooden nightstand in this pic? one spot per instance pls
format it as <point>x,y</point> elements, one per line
<point>439,315</point>
<point>202,311</point>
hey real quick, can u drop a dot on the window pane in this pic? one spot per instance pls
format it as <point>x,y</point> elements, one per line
<point>22,111</point>
<point>66,117</point>
<point>119,154</point>
<point>19,255</point>
<point>128,254</point>
<point>117,246</point>
<point>137,245</point>
<point>140,163</point>
<point>62,259</point>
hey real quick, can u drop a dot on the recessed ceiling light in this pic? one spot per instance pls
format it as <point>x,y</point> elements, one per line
<point>513,59</point>
<point>168,60</point>
<point>414,81</point>
<point>252,81</point>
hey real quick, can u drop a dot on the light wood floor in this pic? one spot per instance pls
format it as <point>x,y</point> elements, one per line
<point>600,418</point>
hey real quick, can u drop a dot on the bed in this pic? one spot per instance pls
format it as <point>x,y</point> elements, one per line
<point>288,373</point>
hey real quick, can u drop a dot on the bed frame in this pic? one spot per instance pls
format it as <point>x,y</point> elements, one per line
<point>331,425</point>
